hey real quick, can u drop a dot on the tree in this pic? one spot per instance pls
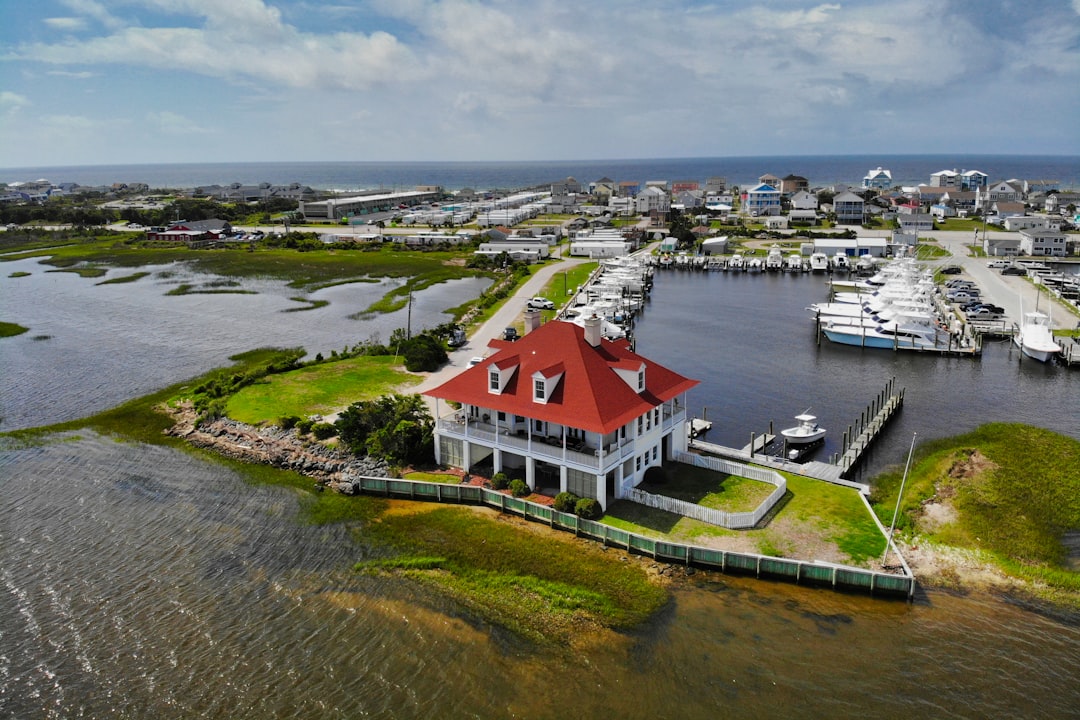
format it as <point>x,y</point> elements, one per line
<point>395,427</point>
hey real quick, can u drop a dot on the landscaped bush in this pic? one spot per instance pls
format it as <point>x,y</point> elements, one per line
<point>588,509</point>
<point>304,426</point>
<point>499,481</point>
<point>519,488</point>
<point>565,502</point>
<point>288,422</point>
<point>323,430</point>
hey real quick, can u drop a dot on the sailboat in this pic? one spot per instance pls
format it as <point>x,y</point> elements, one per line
<point>1035,337</point>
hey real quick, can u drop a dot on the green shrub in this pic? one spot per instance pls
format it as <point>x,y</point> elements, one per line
<point>588,509</point>
<point>499,481</point>
<point>323,430</point>
<point>566,501</point>
<point>304,426</point>
<point>288,422</point>
<point>519,488</point>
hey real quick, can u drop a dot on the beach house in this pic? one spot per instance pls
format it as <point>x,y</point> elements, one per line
<point>563,409</point>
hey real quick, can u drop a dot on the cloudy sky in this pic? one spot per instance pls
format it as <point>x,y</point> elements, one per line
<point>144,81</point>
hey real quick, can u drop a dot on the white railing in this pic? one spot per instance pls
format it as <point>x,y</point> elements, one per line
<point>712,515</point>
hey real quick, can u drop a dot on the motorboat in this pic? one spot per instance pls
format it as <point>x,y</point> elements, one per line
<point>774,261</point>
<point>807,431</point>
<point>1035,338</point>
<point>841,263</point>
<point>888,335</point>
<point>753,265</point>
<point>819,262</point>
<point>736,263</point>
<point>793,263</point>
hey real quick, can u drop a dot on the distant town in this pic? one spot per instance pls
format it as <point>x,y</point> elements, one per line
<point>602,218</point>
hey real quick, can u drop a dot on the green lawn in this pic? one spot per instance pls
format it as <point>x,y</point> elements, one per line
<point>318,389</point>
<point>563,284</point>
<point>711,489</point>
<point>930,250</point>
<point>816,520</point>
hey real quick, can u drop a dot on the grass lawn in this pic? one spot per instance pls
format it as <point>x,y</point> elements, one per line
<point>930,250</point>
<point>563,284</point>
<point>711,489</point>
<point>445,478</point>
<point>816,520</point>
<point>318,389</point>
<point>1009,490</point>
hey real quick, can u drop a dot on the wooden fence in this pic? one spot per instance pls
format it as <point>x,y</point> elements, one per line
<point>838,577</point>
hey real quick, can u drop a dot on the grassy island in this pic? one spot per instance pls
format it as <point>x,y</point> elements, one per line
<point>8,329</point>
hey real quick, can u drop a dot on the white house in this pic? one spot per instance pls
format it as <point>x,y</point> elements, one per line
<point>804,200</point>
<point>652,199</point>
<point>1026,222</point>
<point>1042,242</point>
<point>880,179</point>
<point>849,208</point>
<point>761,200</point>
<point>565,410</point>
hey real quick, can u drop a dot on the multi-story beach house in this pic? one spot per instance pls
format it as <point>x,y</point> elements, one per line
<point>878,179</point>
<point>564,409</point>
<point>761,200</point>
<point>849,208</point>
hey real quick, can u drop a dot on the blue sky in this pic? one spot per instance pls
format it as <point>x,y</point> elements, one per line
<point>145,81</point>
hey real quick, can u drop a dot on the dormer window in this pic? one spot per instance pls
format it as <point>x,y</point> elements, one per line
<point>546,383</point>
<point>493,381</point>
<point>641,380</point>
<point>539,389</point>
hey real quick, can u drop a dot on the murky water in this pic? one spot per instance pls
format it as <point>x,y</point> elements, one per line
<point>141,581</point>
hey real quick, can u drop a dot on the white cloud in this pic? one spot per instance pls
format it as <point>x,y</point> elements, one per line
<point>12,102</point>
<point>94,10</point>
<point>175,123</point>
<point>67,24</point>
<point>77,75</point>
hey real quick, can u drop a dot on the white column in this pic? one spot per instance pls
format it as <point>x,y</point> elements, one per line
<point>563,481</point>
<point>530,472</point>
<point>601,490</point>
<point>496,459</point>
<point>618,481</point>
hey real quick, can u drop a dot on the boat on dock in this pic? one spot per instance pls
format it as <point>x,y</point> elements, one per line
<point>807,431</point>
<point>841,263</point>
<point>819,262</point>
<point>1035,338</point>
<point>774,261</point>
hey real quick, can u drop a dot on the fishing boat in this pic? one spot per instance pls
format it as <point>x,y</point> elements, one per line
<point>819,262</point>
<point>736,263</point>
<point>807,431</point>
<point>841,263</point>
<point>774,261</point>
<point>1035,338</point>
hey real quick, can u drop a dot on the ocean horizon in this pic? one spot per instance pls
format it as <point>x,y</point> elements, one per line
<point>820,170</point>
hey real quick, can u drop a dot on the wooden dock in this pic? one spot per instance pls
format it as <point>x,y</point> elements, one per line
<point>863,431</point>
<point>1070,350</point>
<point>817,470</point>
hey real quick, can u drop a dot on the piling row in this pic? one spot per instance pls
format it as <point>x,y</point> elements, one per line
<point>862,432</point>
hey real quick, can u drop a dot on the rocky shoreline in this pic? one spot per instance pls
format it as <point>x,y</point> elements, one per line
<point>272,445</point>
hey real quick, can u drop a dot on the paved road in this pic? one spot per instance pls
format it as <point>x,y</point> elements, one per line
<point>509,314</point>
<point>1009,291</point>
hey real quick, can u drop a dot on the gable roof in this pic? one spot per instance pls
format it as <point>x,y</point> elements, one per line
<point>591,395</point>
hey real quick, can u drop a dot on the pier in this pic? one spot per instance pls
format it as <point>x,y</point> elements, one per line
<point>866,428</point>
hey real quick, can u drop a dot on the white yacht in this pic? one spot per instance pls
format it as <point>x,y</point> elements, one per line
<point>774,261</point>
<point>807,431</point>
<point>1035,338</point>
<point>819,262</point>
<point>841,263</point>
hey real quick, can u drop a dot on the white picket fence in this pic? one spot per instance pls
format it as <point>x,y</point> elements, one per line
<point>732,521</point>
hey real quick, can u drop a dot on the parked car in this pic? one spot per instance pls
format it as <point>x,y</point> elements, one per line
<point>475,360</point>
<point>540,303</point>
<point>510,334</point>
<point>998,264</point>
<point>962,296</point>
<point>952,270</point>
<point>457,338</point>
<point>956,282</point>
<point>1013,270</point>
<point>984,314</point>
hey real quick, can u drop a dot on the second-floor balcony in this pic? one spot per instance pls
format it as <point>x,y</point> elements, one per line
<point>564,451</point>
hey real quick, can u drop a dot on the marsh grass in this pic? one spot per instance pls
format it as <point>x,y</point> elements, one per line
<point>542,587</point>
<point>125,279</point>
<point>311,304</point>
<point>19,274</point>
<point>86,271</point>
<point>8,329</point>
<point>1016,499</point>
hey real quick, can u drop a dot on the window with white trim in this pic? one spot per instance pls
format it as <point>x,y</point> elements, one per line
<point>538,389</point>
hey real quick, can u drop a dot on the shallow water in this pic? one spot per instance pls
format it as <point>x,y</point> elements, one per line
<point>109,343</point>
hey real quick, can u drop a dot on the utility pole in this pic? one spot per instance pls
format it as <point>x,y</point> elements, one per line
<point>899,495</point>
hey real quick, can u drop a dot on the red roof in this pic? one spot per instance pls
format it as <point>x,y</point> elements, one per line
<point>590,396</point>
